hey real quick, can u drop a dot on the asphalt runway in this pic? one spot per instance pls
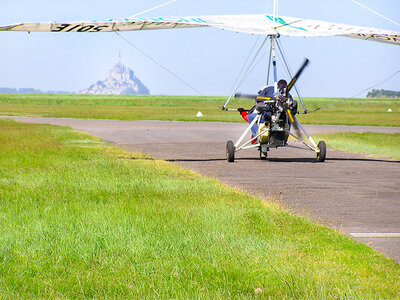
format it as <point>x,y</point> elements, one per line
<point>355,194</point>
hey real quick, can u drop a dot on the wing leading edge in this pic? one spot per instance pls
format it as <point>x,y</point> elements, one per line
<point>252,24</point>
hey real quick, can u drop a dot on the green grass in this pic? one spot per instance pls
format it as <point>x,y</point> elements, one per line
<point>376,144</point>
<point>82,219</point>
<point>180,108</point>
<point>366,112</point>
<point>372,112</point>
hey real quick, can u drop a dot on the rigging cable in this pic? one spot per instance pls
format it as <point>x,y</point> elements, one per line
<point>245,74</point>
<point>267,6</point>
<point>245,63</point>
<point>327,11</point>
<point>160,65</point>
<point>374,12</point>
<point>151,9</point>
<point>375,85</point>
<point>255,65</point>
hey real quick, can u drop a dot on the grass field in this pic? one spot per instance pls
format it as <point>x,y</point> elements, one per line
<point>370,112</point>
<point>82,219</point>
<point>365,112</point>
<point>375,144</point>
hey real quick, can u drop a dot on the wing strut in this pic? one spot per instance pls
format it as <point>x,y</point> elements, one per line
<point>224,107</point>
<point>273,39</point>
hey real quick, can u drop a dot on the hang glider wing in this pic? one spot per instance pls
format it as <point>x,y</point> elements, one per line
<point>308,28</point>
<point>252,24</point>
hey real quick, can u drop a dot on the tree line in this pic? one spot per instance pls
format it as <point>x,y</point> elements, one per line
<point>383,94</point>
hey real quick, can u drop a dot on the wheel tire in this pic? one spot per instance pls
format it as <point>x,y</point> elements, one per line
<point>230,151</point>
<point>322,151</point>
<point>263,155</point>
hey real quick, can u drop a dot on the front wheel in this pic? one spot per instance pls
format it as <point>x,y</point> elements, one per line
<point>321,155</point>
<point>230,151</point>
<point>263,152</point>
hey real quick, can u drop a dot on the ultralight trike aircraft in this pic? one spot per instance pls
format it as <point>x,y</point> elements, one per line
<point>276,120</point>
<point>275,117</point>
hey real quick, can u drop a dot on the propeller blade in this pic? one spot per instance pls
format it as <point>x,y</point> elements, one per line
<point>245,96</point>
<point>294,79</point>
<point>297,131</point>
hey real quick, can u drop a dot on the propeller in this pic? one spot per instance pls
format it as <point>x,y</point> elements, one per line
<point>285,97</point>
<point>293,119</point>
<point>296,77</point>
<point>297,131</point>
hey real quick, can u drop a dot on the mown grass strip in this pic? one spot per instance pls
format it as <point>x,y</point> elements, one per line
<point>371,112</point>
<point>80,218</point>
<point>370,143</point>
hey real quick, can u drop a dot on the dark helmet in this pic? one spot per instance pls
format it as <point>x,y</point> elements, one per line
<point>282,84</point>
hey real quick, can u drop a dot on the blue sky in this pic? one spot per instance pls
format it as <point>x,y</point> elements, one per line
<point>209,59</point>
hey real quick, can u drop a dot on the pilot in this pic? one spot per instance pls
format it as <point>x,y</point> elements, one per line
<point>282,84</point>
<point>267,91</point>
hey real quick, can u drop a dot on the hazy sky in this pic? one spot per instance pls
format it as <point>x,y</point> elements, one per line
<point>209,59</point>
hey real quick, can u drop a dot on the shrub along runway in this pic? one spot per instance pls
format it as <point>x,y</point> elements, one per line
<point>353,193</point>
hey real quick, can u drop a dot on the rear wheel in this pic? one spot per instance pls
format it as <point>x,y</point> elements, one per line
<point>230,151</point>
<point>321,155</point>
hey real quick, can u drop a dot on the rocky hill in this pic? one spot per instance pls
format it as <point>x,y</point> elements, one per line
<point>120,81</point>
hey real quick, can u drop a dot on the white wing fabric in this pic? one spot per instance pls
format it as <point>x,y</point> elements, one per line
<point>253,24</point>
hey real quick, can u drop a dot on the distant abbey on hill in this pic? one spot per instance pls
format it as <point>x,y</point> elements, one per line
<point>121,81</point>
